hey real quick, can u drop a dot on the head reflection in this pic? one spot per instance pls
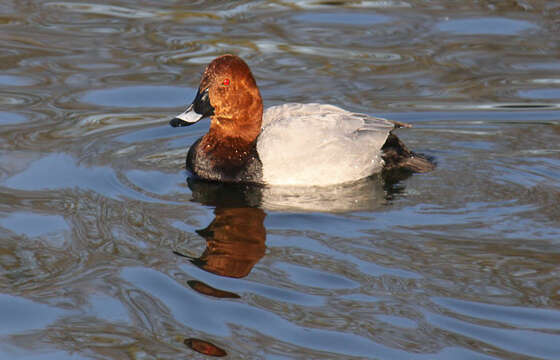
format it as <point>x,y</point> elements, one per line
<point>235,239</point>
<point>235,242</point>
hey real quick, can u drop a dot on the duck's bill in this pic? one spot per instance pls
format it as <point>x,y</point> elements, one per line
<point>186,118</point>
<point>199,109</point>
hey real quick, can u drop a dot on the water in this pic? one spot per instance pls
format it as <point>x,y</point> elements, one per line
<point>107,251</point>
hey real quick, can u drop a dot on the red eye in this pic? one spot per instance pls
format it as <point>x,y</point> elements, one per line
<point>225,82</point>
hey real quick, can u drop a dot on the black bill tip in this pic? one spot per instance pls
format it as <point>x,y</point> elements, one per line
<point>176,122</point>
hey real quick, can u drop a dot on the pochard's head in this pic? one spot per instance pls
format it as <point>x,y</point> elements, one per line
<point>229,95</point>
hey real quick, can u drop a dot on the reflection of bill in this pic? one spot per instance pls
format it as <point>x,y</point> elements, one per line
<point>235,242</point>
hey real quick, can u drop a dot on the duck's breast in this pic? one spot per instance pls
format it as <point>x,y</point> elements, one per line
<point>317,144</point>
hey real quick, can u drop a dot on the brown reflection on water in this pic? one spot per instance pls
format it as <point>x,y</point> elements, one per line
<point>235,242</point>
<point>208,290</point>
<point>205,347</point>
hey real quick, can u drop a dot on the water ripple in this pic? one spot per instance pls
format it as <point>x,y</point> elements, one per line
<point>101,9</point>
<point>485,26</point>
<point>13,99</point>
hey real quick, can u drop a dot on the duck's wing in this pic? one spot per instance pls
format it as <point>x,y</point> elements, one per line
<point>326,115</point>
<point>323,142</point>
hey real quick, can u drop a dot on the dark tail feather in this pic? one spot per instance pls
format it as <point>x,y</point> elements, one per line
<point>418,163</point>
<point>398,158</point>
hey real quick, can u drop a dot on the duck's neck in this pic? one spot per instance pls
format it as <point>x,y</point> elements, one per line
<point>246,128</point>
<point>228,151</point>
<point>235,134</point>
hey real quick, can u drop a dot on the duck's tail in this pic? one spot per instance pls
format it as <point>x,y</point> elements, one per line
<point>399,158</point>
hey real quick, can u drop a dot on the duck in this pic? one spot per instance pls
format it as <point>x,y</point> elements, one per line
<point>290,144</point>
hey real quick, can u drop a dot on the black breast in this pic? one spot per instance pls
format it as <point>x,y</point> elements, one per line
<point>225,165</point>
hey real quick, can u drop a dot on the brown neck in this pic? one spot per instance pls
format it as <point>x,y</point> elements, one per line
<point>227,151</point>
<point>247,128</point>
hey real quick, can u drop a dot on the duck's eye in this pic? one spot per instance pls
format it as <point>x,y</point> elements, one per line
<point>225,82</point>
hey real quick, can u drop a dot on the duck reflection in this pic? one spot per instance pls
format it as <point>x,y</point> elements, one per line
<point>235,239</point>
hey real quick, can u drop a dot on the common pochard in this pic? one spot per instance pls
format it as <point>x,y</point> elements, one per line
<point>290,144</point>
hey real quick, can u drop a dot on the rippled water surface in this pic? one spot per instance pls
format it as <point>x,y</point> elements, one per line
<point>108,251</point>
